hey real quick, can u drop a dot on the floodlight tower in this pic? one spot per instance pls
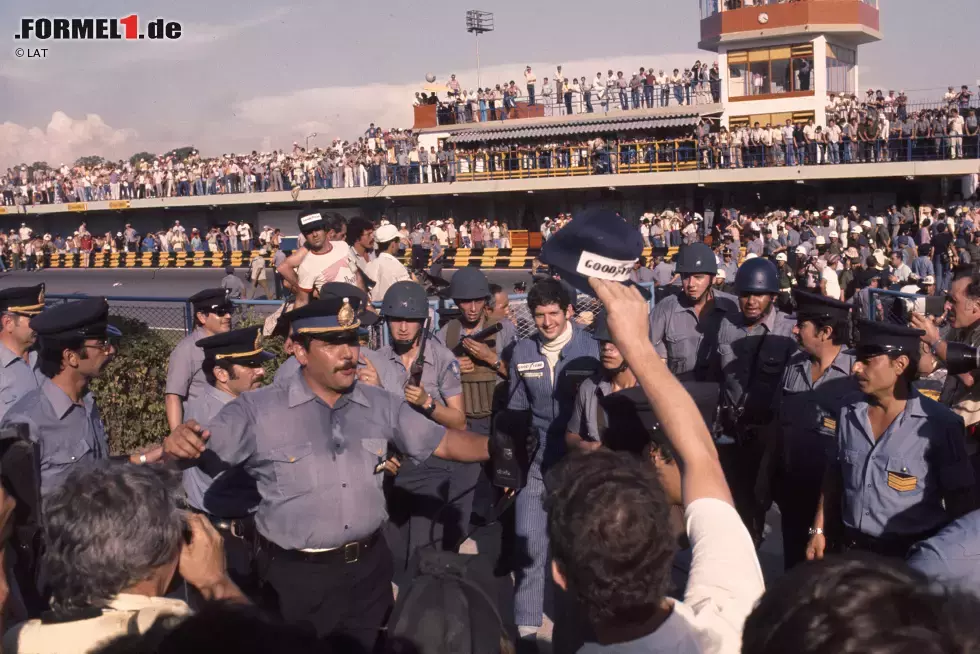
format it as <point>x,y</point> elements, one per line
<point>478,22</point>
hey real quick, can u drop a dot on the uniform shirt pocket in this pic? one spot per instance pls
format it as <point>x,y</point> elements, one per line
<point>376,451</point>
<point>68,454</point>
<point>852,469</point>
<point>903,478</point>
<point>295,469</point>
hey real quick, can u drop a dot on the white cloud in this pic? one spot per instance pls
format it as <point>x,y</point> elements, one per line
<point>345,111</point>
<point>64,139</point>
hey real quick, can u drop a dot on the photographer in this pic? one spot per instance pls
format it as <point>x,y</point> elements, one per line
<point>961,392</point>
<point>115,539</point>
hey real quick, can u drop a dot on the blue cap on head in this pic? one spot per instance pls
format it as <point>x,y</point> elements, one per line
<point>598,243</point>
<point>88,318</point>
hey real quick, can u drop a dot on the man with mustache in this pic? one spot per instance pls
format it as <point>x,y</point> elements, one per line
<point>232,366</point>
<point>816,384</point>
<point>753,346</point>
<point>420,490</point>
<point>901,472</point>
<point>315,448</point>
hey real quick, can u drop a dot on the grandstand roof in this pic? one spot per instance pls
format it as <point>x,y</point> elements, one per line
<point>620,122</point>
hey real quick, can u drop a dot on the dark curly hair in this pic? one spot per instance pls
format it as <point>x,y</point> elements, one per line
<point>610,535</point>
<point>864,604</point>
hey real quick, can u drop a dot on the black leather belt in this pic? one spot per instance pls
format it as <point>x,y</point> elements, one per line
<point>347,553</point>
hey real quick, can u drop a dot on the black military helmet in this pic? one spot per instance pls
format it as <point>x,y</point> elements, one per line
<point>469,284</point>
<point>757,276</point>
<point>406,300</point>
<point>695,259</point>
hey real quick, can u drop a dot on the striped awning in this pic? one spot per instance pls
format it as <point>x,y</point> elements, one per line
<point>570,129</point>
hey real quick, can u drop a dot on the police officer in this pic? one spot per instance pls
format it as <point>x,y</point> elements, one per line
<point>588,420</point>
<point>420,491</point>
<point>546,369</point>
<point>185,377</point>
<point>902,471</point>
<point>483,365</point>
<point>754,346</point>
<point>684,327</point>
<point>232,366</point>
<point>816,384</point>
<point>18,358</point>
<point>313,449</point>
<point>61,413</point>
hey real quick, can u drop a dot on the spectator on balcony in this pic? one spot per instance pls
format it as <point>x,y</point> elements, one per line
<point>970,128</point>
<point>571,89</point>
<point>559,84</point>
<point>956,124</point>
<point>940,129</point>
<point>963,98</point>
<point>810,142</point>
<point>453,86</point>
<point>677,83</point>
<point>635,84</point>
<point>586,89</point>
<point>688,80</point>
<point>612,88</point>
<point>789,143</point>
<point>622,84</point>
<point>714,80</point>
<point>649,80</point>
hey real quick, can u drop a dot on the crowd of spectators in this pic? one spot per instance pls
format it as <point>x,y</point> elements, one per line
<point>879,128</point>
<point>645,88</point>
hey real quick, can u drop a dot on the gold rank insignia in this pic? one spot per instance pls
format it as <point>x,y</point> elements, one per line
<point>902,482</point>
<point>345,317</point>
<point>931,394</point>
<point>830,423</point>
<point>258,339</point>
<point>40,297</point>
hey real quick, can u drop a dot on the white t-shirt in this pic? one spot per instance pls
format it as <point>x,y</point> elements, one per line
<point>333,266</point>
<point>833,286</point>
<point>723,586</point>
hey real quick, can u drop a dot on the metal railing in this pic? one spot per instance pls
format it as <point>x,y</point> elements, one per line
<point>595,99</point>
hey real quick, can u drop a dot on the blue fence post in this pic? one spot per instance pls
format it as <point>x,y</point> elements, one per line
<point>188,318</point>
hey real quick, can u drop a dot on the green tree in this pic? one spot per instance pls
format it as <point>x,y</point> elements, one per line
<point>146,156</point>
<point>38,165</point>
<point>183,152</point>
<point>89,161</point>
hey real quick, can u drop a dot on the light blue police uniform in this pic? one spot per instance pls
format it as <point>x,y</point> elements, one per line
<point>584,420</point>
<point>17,377</point>
<point>232,493</point>
<point>69,434</point>
<point>185,378</point>
<point>805,413</point>
<point>314,465</point>
<point>894,488</point>
<point>689,343</point>
<point>953,555</point>
<point>421,489</point>
<point>551,400</point>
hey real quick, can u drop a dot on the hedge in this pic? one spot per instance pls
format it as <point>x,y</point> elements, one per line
<point>130,391</point>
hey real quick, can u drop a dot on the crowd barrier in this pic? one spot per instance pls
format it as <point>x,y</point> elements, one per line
<point>486,258</point>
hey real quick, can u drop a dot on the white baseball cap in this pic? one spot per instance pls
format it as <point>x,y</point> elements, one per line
<point>800,249</point>
<point>879,221</point>
<point>821,240</point>
<point>855,229</point>
<point>834,235</point>
<point>385,233</point>
<point>929,280</point>
<point>781,257</point>
<point>853,208</point>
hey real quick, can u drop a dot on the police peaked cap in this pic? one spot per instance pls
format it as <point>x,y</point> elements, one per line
<point>241,346</point>
<point>24,300</point>
<point>88,318</point>
<point>210,299</point>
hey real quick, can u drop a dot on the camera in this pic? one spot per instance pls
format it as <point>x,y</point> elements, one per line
<point>961,358</point>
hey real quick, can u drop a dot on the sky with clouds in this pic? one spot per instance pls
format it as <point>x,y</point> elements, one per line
<point>258,75</point>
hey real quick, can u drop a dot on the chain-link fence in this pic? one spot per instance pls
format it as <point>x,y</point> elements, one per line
<point>172,318</point>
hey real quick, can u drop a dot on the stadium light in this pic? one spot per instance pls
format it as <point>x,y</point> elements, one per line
<point>311,136</point>
<point>478,22</point>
